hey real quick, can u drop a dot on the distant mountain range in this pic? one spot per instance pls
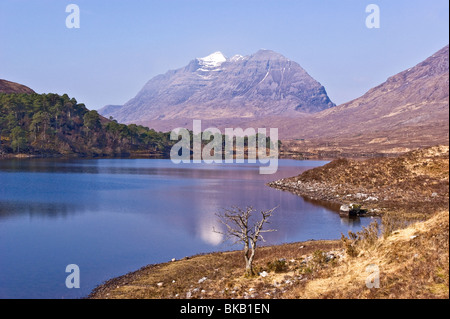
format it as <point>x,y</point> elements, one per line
<point>215,87</point>
<point>409,110</point>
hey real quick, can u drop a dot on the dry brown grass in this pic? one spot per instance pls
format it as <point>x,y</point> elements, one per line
<point>224,273</point>
<point>413,263</point>
<point>411,187</point>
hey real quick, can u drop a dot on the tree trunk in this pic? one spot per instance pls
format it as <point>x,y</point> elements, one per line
<point>248,260</point>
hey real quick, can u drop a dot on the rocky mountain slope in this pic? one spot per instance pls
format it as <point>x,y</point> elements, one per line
<point>215,87</point>
<point>417,96</point>
<point>409,110</point>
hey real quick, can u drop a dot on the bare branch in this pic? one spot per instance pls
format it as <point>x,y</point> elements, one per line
<point>236,221</point>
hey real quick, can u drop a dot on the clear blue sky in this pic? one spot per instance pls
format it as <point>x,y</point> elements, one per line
<point>122,44</point>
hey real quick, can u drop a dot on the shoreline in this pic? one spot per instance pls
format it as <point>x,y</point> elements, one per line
<point>322,269</point>
<point>411,185</point>
<point>215,266</point>
<point>328,194</point>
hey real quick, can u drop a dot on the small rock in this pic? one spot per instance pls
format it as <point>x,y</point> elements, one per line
<point>202,280</point>
<point>263,274</point>
<point>173,259</point>
<point>160,284</point>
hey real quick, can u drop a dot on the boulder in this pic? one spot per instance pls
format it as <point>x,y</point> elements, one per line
<point>352,210</point>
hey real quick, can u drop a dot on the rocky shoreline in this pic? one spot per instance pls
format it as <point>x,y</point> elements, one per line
<point>220,275</point>
<point>334,194</point>
<point>416,182</point>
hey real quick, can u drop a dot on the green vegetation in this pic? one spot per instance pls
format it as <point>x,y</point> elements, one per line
<point>53,125</point>
<point>277,266</point>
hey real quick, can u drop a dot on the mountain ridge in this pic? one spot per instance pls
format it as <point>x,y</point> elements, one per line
<point>215,87</point>
<point>409,110</point>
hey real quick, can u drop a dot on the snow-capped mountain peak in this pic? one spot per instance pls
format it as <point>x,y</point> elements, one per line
<point>213,60</point>
<point>236,57</point>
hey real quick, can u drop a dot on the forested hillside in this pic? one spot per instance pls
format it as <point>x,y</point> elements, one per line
<point>52,125</point>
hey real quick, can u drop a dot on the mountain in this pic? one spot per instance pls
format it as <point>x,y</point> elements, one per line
<point>408,110</point>
<point>110,109</point>
<point>12,87</point>
<point>215,87</point>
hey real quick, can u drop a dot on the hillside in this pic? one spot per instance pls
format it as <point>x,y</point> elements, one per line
<point>415,183</point>
<point>228,89</point>
<point>12,87</point>
<point>413,263</point>
<point>54,125</point>
<point>419,95</point>
<point>410,110</point>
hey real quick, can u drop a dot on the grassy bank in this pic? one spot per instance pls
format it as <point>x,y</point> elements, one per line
<point>223,272</point>
<point>412,262</point>
<point>409,187</point>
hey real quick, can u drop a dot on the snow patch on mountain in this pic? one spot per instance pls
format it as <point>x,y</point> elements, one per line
<point>212,61</point>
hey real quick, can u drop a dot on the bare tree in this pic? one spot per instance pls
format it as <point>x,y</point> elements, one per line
<point>240,228</point>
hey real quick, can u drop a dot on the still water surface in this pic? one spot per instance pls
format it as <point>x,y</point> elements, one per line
<point>112,216</point>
